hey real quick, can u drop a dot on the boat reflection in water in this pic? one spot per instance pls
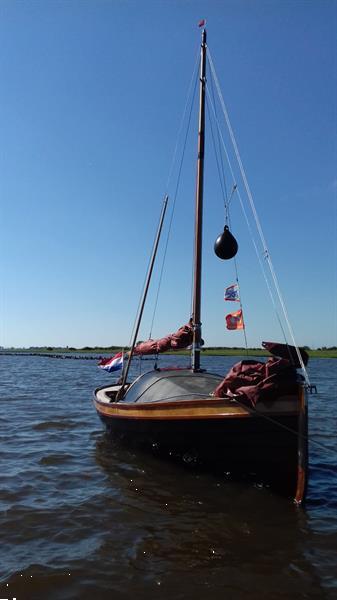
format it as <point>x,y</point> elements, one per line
<point>181,532</point>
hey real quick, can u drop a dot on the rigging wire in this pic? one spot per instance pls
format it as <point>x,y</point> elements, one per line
<point>167,185</point>
<point>240,301</point>
<point>293,431</point>
<point>191,101</point>
<point>227,201</point>
<point>267,256</point>
<point>174,156</point>
<point>218,162</point>
<point>251,233</point>
<point>238,283</point>
<point>234,188</point>
<point>143,288</point>
<point>257,221</point>
<point>253,411</point>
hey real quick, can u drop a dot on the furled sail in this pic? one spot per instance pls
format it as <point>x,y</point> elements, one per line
<point>251,381</point>
<point>174,341</point>
<point>288,352</point>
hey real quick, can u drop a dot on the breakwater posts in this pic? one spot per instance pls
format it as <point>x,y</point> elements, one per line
<point>46,355</point>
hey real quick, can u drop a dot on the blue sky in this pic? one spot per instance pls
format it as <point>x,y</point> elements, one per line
<point>91,97</point>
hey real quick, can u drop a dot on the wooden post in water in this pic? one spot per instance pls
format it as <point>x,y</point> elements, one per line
<point>196,316</point>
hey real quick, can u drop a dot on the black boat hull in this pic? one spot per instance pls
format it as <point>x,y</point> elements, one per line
<point>253,448</point>
<point>174,414</point>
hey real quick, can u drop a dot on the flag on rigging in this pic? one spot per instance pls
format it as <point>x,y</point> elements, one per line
<point>235,320</point>
<point>112,364</point>
<point>232,293</point>
<point>202,23</point>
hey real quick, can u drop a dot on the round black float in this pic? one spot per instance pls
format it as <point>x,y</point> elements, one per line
<point>225,246</point>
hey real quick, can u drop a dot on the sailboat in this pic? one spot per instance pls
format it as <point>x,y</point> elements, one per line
<point>253,421</point>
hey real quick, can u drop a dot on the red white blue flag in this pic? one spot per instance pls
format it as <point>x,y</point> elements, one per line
<point>202,23</point>
<point>112,364</point>
<point>232,293</point>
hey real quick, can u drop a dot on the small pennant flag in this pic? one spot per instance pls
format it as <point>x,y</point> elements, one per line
<point>202,23</point>
<point>112,364</point>
<point>235,320</point>
<point>232,293</point>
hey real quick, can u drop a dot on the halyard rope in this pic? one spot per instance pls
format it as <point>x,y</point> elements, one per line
<point>250,229</point>
<point>257,221</point>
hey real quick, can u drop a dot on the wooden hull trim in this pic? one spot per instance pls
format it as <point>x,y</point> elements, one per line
<point>302,452</point>
<point>205,408</point>
<point>178,413</point>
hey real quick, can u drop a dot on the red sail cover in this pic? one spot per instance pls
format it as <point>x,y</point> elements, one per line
<point>288,352</point>
<point>252,381</point>
<point>174,341</point>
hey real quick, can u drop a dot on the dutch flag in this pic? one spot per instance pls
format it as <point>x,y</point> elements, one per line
<point>112,364</point>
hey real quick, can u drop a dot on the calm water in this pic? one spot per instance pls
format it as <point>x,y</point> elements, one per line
<point>81,518</point>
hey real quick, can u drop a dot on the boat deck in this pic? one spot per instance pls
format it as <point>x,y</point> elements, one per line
<point>181,394</point>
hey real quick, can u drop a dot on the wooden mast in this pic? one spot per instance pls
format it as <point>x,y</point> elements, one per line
<point>198,213</point>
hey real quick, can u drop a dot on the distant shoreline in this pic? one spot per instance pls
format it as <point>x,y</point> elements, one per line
<point>217,351</point>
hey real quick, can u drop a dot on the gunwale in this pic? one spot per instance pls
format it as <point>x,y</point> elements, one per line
<point>197,408</point>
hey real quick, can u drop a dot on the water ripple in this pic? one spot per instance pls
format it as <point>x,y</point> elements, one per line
<point>82,517</point>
